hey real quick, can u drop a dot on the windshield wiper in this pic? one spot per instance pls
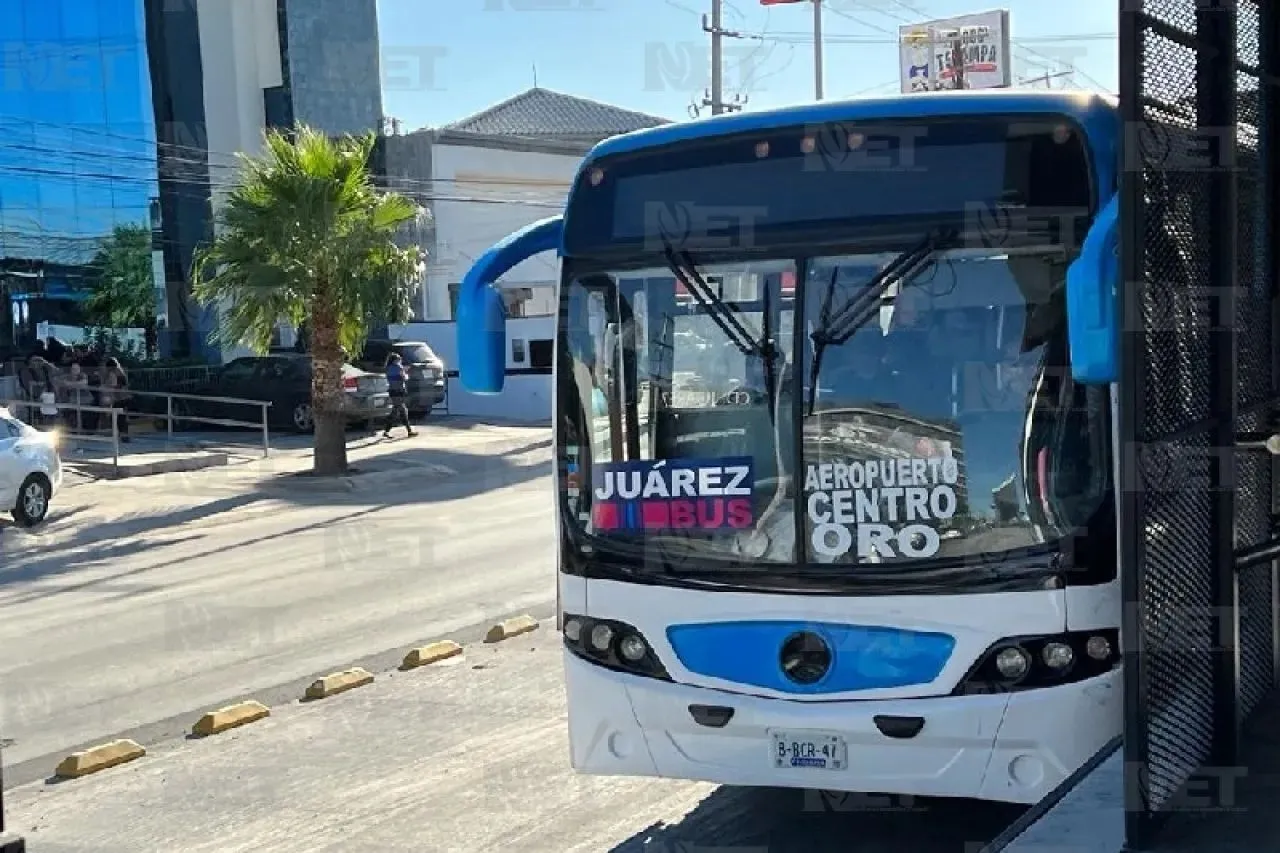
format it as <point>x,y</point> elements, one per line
<point>839,326</point>
<point>683,268</point>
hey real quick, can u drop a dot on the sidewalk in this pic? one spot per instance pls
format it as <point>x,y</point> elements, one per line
<point>440,447</point>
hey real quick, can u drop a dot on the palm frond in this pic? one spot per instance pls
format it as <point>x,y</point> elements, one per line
<point>306,223</point>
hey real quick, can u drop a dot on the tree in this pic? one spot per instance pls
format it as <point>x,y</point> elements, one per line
<point>305,237</point>
<point>123,290</point>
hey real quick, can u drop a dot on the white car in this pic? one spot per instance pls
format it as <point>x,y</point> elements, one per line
<point>30,470</point>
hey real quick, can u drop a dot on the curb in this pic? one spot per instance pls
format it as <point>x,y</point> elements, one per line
<point>230,717</point>
<point>122,751</point>
<point>98,758</point>
<point>338,682</point>
<point>430,653</point>
<point>509,628</point>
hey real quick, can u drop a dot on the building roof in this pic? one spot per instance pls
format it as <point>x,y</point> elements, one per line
<point>543,114</point>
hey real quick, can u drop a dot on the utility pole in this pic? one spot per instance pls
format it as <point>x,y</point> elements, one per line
<point>717,59</point>
<point>715,98</point>
<point>817,50</point>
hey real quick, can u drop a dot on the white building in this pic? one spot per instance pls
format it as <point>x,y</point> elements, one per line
<point>483,178</point>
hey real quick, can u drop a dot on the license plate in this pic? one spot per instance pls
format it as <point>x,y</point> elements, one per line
<point>809,751</point>
<point>381,400</point>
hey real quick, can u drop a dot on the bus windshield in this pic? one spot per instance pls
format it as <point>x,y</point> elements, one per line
<point>945,426</point>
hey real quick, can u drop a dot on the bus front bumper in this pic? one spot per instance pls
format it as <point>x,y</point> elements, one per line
<point>1010,747</point>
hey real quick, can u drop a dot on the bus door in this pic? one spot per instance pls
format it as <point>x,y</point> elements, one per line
<point>611,326</point>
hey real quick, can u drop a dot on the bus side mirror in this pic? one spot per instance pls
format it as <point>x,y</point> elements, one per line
<point>482,336</point>
<point>1093,301</point>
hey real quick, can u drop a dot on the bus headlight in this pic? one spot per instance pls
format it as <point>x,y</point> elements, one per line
<point>633,648</point>
<point>1013,663</point>
<point>1057,655</point>
<point>601,637</point>
<point>612,644</point>
<point>1030,663</point>
<point>1098,648</point>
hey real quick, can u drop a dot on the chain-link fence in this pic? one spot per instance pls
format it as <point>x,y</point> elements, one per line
<point>1199,571</point>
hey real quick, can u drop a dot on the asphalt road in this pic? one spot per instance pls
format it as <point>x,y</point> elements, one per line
<point>145,600</point>
<point>469,756</point>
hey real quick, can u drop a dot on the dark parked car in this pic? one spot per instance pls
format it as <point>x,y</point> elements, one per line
<point>284,380</point>
<point>425,382</point>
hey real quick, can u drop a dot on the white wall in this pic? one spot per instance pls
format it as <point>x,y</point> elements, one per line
<point>525,397</point>
<point>240,38</point>
<point>443,337</point>
<point>487,194</point>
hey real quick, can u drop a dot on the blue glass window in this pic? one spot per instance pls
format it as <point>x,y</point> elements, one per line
<point>76,116</point>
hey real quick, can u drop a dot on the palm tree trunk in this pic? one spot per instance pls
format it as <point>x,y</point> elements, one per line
<point>330,459</point>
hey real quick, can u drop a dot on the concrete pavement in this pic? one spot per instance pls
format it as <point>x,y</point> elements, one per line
<point>468,755</point>
<point>144,599</point>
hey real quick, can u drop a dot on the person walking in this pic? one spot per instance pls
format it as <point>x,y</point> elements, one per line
<point>114,394</point>
<point>399,392</point>
<point>75,390</point>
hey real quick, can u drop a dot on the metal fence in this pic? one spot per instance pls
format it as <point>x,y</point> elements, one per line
<point>38,412</point>
<point>1198,389</point>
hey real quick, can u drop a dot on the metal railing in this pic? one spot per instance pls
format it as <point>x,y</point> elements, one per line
<point>169,415</point>
<point>113,413</point>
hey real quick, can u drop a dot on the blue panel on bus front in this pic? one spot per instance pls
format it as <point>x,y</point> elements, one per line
<point>863,657</point>
<point>1097,112</point>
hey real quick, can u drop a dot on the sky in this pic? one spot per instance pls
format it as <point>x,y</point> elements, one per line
<point>445,61</point>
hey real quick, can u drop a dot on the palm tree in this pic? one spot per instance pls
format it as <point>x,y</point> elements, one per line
<point>305,236</point>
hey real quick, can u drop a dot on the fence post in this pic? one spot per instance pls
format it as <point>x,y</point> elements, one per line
<point>113,413</point>
<point>266,432</point>
<point>168,408</point>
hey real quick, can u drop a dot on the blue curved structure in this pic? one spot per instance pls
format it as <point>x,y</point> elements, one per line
<point>482,319</point>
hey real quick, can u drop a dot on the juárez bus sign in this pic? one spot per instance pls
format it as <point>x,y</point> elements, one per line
<point>673,494</point>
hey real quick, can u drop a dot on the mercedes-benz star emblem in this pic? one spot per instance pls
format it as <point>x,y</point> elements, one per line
<point>806,658</point>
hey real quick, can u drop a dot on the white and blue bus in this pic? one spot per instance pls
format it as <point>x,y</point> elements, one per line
<point>835,466</point>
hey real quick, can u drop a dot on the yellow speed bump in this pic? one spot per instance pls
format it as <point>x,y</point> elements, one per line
<point>431,653</point>
<point>339,682</point>
<point>242,713</point>
<point>97,758</point>
<point>509,628</point>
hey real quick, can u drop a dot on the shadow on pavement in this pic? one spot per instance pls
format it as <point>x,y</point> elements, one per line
<point>768,820</point>
<point>56,561</point>
<point>416,475</point>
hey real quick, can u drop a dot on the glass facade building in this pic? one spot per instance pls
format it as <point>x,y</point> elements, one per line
<point>78,156</point>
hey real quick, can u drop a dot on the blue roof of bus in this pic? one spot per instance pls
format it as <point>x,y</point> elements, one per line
<point>1080,105</point>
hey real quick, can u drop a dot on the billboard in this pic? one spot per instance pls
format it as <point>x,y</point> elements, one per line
<point>964,52</point>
